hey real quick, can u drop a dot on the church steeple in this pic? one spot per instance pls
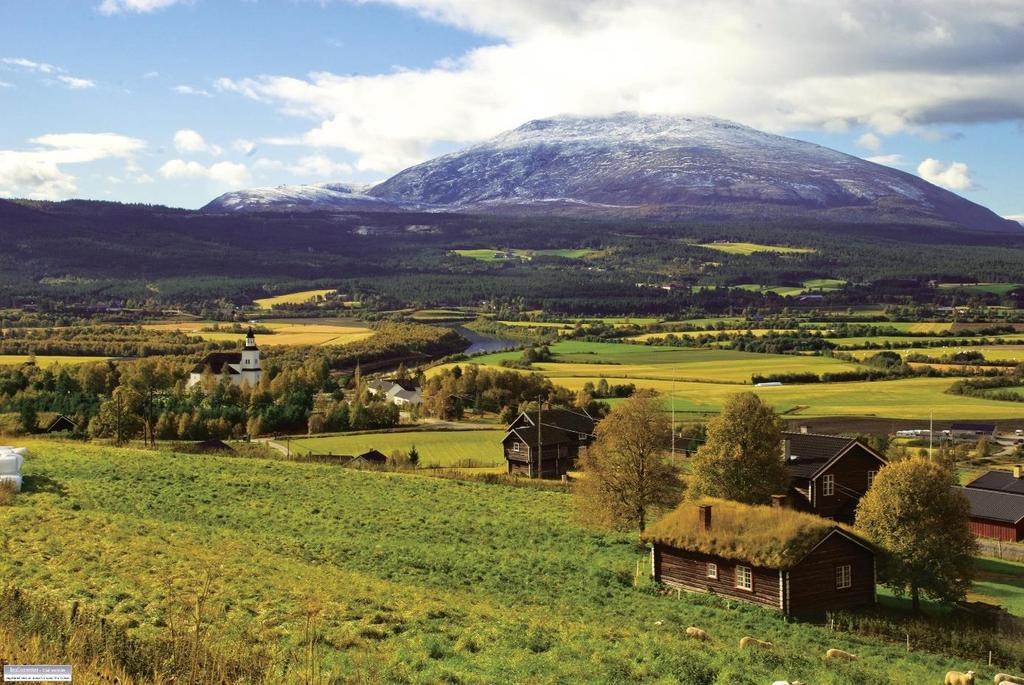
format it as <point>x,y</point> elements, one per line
<point>250,340</point>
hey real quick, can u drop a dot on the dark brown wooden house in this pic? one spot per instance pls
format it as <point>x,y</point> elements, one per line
<point>829,473</point>
<point>559,438</point>
<point>61,424</point>
<point>794,562</point>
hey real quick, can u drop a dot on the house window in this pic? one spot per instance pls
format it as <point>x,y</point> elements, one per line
<point>844,577</point>
<point>744,578</point>
<point>871,477</point>
<point>712,570</point>
<point>582,436</point>
<point>515,446</point>
<point>828,485</point>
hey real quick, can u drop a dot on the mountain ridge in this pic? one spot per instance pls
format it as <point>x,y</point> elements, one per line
<point>654,166</point>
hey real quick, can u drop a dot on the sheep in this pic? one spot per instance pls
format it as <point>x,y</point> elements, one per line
<point>748,641</point>
<point>1007,678</point>
<point>698,634</point>
<point>958,678</point>
<point>787,682</point>
<point>834,654</point>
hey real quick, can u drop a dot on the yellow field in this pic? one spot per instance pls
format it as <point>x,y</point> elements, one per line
<point>284,334</point>
<point>996,353</point>
<point>751,248</point>
<point>758,332</point>
<point>44,361</point>
<point>292,298</point>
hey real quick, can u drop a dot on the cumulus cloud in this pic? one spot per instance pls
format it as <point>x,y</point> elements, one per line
<point>37,173</point>
<point>310,166</point>
<point>189,90</point>
<point>76,83</point>
<point>952,175</point>
<point>775,65</point>
<point>137,6</point>
<point>227,173</point>
<point>869,141</point>
<point>888,160</point>
<point>187,140</point>
<point>30,65</point>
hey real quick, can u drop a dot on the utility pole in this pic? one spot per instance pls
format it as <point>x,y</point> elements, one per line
<point>931,432</point>
<point>672,400</point>
<point>540,439</point>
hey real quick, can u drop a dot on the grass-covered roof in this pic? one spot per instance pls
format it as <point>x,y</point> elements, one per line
<point>761,535</point>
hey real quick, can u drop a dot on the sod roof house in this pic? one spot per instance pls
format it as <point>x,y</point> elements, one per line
<point>797,563</point>
<point>829,473</point>
<point>559,435</point>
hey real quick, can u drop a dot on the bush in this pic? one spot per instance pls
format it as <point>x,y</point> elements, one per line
<point>7,494</point>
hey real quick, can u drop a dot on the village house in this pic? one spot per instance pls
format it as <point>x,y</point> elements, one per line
<point>794,562</point>
<point>828,473</point>
<point>997,504</point>
<point>559,435</point>
<point>400,392</point>
<point>243,368</point>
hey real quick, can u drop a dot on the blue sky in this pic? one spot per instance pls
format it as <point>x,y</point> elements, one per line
<point>196,97</point>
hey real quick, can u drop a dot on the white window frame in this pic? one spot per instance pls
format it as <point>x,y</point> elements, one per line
<point>515,446</point>
<point>844,577</point>
<point>828,485</point>
<point>871,477</point>
<point>712,570</point>
<point>744,578</point>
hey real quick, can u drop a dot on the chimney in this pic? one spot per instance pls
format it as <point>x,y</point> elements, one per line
<point>804,429</point>
<point>1017,471</point>
<point>787,449</point>
<point>778,501</point>
<point>704,518</point>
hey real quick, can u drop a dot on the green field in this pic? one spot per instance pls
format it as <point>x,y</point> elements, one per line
<point>751,248</point>
<point>293,298</point>
<point>1000,582</point>
<point>414,580</point>
<point>46,361</point>
<point>505,255</point>
<point>981,288</point>
<point>436,448</point>
<point>813,285</point>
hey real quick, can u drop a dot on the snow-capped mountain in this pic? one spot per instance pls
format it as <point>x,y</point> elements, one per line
<point>321,196</point>
<point>664,166</point>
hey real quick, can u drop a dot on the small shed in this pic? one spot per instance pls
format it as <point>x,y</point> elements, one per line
<point>61,424</point>
<point>797,563</point>
<point>369,458</point>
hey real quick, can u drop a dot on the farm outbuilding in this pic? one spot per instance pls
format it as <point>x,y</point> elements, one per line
<point>995,514</point>
<point>797,563</point>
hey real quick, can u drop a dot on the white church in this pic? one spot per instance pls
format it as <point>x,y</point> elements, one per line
<point>242,367</point>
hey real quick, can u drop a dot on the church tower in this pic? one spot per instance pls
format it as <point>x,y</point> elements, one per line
<point>249,368</point>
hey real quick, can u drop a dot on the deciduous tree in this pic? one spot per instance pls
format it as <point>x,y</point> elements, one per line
<point>741,459</point>
<point>918,519</point>
<point>626,473</point>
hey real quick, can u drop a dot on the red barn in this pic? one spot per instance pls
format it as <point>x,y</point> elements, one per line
<point>998,515</point>
<point>797,563</point>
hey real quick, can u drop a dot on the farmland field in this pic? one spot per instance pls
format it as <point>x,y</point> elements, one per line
<point>991,352</point>
<point>992,288</point>
<point>46,361</point>
<point>861,341</point>
<point>751,248</point>
<point>504,255</point>
<point>284,332</point>
<point>415,580</point>
<point>292,298</point>
<point>436,448</point>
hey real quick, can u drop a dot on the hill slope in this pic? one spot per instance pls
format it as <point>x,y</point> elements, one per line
<point>668,167</point>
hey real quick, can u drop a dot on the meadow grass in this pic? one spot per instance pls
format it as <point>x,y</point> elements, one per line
<point>46,361</point>
<point>504,255</point>
<point>990,288</point>
<point>405,578</point>
<point>301,297</point>
<point>436,448</point>
<point>751,248</point>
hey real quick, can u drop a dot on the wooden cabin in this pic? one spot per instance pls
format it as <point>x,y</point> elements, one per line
<point>561,436</point>
<point>829,473</point>
<point>61,424</point>
<point>776,557</point>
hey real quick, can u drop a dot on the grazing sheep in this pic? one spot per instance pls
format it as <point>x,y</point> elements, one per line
<point>787,682</point>
<point>748,641</point>
<point>958,678</point>
<point>834,654</point>
<point>1007,678</point>
<point>698,634</point>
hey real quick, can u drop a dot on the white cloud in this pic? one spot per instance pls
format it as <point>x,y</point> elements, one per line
<point>5,84</point>
<point>30,65</point>
<point>952,175</point>
<point>227,173</point>
<point>1019,218</point>
<point>246,147</point>
<point>189,90</point>
<point>37,173</point>
<point>869,141</point>
<point>137,6</point>
<point>76,83</point>
<point>888,160</point>
<point>775,65</point>
<point>310,166</point>
<point>187,140</point>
